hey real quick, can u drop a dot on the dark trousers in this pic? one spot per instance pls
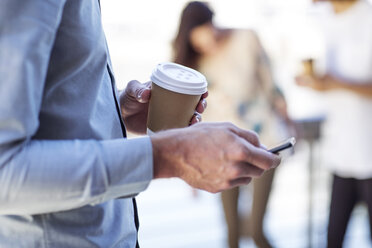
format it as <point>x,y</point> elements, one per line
<point>346,193</point>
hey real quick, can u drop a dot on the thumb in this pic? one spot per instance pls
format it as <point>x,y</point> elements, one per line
<point>143,95</point>
<point>141,92</point>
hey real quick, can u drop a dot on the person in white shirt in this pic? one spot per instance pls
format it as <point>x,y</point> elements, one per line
<point>347,85</point>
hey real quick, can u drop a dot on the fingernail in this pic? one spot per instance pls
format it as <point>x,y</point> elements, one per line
<point>139,96</point>
<point>204,103</point>
<point>198,118</point>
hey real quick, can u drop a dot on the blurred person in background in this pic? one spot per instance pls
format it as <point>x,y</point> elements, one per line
<point>347,85</point>
<point>242,91</point>
<point>68,174</point>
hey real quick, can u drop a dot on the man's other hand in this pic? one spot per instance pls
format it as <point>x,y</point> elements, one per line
<point>211,156</point>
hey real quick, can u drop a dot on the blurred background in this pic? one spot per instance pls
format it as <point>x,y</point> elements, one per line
<point>139,35</point>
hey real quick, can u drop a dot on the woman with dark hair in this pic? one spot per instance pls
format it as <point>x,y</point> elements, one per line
<point>194,15</point>
<point>242,91</point>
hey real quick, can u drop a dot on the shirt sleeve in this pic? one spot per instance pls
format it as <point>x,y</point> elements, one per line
<point>41,176</point>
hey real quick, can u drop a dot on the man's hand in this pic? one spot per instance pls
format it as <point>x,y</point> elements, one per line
<point>211,156</point>
<point>134,104</point>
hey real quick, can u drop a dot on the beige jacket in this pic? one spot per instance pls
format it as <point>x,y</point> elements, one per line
<point>241,86</point>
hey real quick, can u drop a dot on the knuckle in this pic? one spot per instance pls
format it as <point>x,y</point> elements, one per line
<point>255,138</point>
<point>240,153</point>
<point>232,126</point>
<point>245,153</point>
<point>132,83</point>
<point>229,125</point>
<point>235,172</point>
<point>132,87</point>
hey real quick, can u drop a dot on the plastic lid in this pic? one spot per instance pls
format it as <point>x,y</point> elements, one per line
<point>179,78</point>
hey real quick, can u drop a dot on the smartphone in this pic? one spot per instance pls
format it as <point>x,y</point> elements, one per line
<point>284,145</point>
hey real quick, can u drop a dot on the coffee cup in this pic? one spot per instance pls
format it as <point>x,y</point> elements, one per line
<point>308,67</point>
<point>176,91</point>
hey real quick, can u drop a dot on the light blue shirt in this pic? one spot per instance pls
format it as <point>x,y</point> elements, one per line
<point>63,158</point>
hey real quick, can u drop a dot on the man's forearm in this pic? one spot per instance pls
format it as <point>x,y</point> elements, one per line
<point>48,176</point>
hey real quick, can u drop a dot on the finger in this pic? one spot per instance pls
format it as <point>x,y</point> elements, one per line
<point>263,146</point>
<point>144,95</point>
<point>195,118</point>
<point>258,157</point>
<point>141,92</point>
<point>247,135</point>
<point>202,105</point>
<point>240,182</point>
<point>205,95</point>
<point>247,170</point>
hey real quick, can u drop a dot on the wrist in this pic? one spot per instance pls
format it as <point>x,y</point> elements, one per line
<point>165,154</point>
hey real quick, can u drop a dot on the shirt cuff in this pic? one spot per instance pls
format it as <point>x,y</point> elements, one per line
<point>130,166</point>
